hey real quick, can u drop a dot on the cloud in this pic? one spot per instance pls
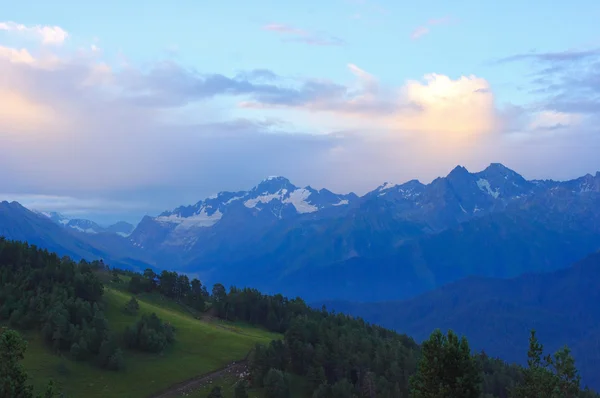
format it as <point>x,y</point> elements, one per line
<point>47,34</point>
<point>71,206</point>
<point>291,33</point>
<point>82,135</point>
<point>439,105</point>
<point>423,30</point>
<point>556,57</point>
<point>564,81</point>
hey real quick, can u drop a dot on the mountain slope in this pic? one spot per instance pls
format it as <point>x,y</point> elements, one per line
<point>542,234</point>
<point>497,313</point>
<point>19,223</point>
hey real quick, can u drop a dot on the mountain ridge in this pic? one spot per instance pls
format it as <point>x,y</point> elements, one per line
<point>390,234</point>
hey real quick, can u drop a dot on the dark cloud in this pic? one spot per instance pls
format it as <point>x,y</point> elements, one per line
<point>554,57</point>
<point>567,81</point>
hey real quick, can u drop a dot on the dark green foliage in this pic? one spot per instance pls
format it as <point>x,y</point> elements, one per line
<point>276,384</point>
<point>316,376</point>
<point>548,377</point>
<point>136,284</point>
<point>13,378</point>
<point>132,306</point>
<point>170,284</point>
<point>39,290</point>
<point>219,301</point>
<point>240,390</point>
<point>343,389</point>
<point>115,276</point>
<point>446,369</point>
<point>51,391</point>
<point>149,334</point>
<point>215,392</point>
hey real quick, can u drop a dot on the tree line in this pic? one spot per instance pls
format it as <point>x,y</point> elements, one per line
<point>59,297</point>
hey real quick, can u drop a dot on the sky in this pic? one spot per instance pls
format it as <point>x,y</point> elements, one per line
<point>112,110</point>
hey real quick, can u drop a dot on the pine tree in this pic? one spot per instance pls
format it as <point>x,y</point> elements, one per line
<point>276,384</point>
<point>368,385</point>
<point>13,378</point>
<point>132,306</point>
<point>447,369</point>
<point>316,377</point>
<point>548,377</point>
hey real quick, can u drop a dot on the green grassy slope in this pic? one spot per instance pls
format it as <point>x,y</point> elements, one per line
<point>200,347</point>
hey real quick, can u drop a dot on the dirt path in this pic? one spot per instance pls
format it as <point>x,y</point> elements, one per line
<point>180,389</point>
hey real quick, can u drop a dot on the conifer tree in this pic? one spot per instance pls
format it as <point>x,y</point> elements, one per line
<point>13,378</point>
<point>446,369</point>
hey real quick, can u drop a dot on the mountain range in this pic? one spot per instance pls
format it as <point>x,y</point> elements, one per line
<point>121,228</point>
<point>394,242</point>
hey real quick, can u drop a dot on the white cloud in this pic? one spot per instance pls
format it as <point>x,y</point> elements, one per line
<point>70,205</point>
<point>47,34</point>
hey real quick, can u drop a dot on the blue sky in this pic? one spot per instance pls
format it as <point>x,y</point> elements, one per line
<point>133,107</point>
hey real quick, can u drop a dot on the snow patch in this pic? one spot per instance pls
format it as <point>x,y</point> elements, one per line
<point>233,199</point>
<point>86,230</point>
<point>201,219</point>
<point>484,185</point>
<point>298,199</point>
<point>341,202</point>
<point>251,203</point>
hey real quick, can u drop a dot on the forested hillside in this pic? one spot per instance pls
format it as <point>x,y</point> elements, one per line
<point>494,313</point>
<point>336,355</point>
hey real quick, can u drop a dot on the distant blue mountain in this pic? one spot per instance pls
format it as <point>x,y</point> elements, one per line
<point>497,314</point>
<point>121,228</point>
<point>19,223</point>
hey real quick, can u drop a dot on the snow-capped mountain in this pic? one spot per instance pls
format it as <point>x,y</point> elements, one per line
<point>87,226</point>
<point>443,203</point>
<point>274,197</point>
<point>457,197</point>
<point>78,224</point>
